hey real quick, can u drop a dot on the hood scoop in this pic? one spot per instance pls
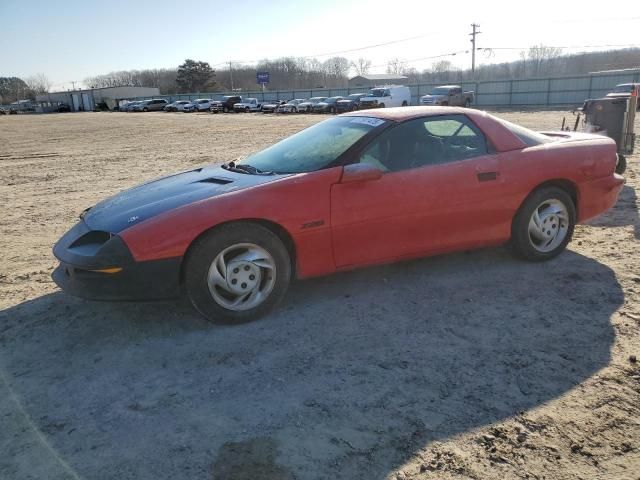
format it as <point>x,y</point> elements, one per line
<point>214,180</point>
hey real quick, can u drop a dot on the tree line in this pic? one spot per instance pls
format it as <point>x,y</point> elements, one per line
<point>289,73</point>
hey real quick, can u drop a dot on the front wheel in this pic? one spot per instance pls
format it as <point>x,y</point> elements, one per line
<point>145,109</point>
<point>544,224</point>
<point>405,104</point>
<point>237,273</point>
<point>247,110</point>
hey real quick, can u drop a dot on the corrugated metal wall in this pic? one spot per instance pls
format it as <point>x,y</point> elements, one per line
<point>535,92</point>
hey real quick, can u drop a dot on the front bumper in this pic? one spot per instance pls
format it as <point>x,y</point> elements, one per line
<point>97,268</point>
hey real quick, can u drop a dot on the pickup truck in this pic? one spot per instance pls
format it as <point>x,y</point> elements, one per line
<point>451,95</point>
<point>226,104</point>
<point>247,105</point>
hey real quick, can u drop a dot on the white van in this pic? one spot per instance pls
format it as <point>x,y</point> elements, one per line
<point>387,96</point>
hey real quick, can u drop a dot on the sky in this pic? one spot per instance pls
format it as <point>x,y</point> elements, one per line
<point>71,40</point>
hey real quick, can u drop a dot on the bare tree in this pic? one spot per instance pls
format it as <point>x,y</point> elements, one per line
<point>361,66</point>
<point>396,66</point>
<point>38,83</point>
<point>540,58</point>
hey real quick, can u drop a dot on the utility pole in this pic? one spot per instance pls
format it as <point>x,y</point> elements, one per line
<point>231,74</point>
<point>73,84</point>
<point>473,48</point>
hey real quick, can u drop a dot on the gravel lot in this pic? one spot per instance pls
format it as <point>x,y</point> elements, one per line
<point>467,366</point>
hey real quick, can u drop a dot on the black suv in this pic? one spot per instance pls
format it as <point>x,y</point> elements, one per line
<point>226,104</point>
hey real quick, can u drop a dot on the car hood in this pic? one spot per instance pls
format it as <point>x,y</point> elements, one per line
<point>437,97</point>
<point>145,201</point>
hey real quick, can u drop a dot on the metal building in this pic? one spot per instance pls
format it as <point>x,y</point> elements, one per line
<point>373,80</point>
<point>86,100</point>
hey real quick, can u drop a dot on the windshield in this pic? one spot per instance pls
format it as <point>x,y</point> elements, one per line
<point>529,137</point>
<point>313,148</point>
<point>440,91</point>
<point>355,96</point>
<point>332,99</point>
<point>623,88</point>
<point>317,99</point>
<point>377,92</point>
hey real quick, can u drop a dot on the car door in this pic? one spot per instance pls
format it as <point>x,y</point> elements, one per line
<point>439,192</point>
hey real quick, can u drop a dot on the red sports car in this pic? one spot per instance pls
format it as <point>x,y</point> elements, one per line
<point>358,189</point>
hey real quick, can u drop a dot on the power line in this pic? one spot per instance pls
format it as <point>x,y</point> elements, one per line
<point>569,47</point>
<point>351,50</point>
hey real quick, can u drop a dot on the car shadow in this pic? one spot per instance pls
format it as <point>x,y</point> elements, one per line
<point>623,213</point>
<point>352,377</point>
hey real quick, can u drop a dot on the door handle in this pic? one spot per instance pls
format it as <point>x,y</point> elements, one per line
<point>487,176</point>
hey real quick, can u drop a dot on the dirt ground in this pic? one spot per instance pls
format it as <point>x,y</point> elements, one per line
<point>466,366</point>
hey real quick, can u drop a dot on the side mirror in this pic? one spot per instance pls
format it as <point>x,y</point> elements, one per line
<point>360,172</point>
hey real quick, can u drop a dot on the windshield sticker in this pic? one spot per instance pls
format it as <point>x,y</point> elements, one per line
<point>374,122</point>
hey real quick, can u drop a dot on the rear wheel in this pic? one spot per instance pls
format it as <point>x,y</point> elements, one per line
<point>543,226</point>
<point>145,109</point>
<point>405,104</point>
<point>237,273</point>
<point>381,105</point>
<point>247,110</point>
<point>225,110</point>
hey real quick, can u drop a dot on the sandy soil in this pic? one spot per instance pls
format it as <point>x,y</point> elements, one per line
<point>467,366</point>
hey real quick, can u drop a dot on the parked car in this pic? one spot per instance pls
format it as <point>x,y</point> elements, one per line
<point>328,105</point>
<point>350,103</point>
<point>176,106</point>
<point>387,96</point>
<point>308,105</point>
<point>150,105</point>
<point>358,189</point>
<point>63,107</point>
<point>199,105</point>
<point>624,90</point>
<point>291,106</point>
<point>226,104</point>
<point>247,105</point>
<point>272,106</point>
<point>451,95</point>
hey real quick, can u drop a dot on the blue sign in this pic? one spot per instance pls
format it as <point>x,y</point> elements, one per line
<point>262,77</point>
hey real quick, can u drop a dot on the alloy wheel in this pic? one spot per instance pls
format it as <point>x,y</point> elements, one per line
<point>548,225</point>
<point>241,276</point>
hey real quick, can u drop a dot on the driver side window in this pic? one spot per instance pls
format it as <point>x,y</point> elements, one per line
<point>425,141</point>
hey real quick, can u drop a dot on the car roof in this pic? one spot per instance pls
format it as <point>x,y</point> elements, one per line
<point>400,114</point>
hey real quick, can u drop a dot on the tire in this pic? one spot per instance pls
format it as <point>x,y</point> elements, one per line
<point>247,110</point>
<point>145,109</point>
<point>294,110</point>
<point>381,105</point>
<point>332,110</point>
<point>225,110</point>
<point>556,215</point>
<point>208,286</point>
<point>467,103</point>
<point>405,104</point>
<point>621,164</point>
